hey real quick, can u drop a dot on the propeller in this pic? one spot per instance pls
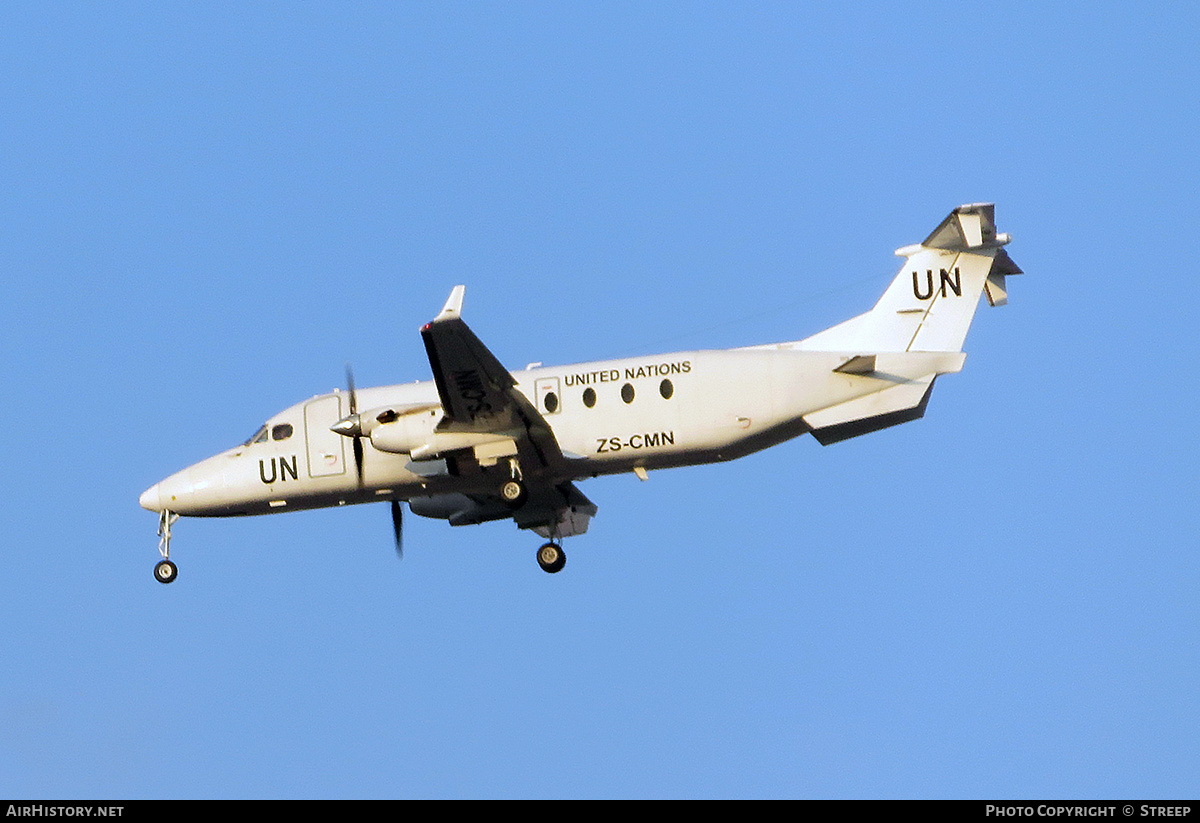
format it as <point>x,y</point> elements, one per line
<point>351,426</point>
<point>398,527</point>
<point>357,436</point>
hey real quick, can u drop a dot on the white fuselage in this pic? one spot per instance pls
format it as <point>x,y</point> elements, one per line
<point>612,416</point>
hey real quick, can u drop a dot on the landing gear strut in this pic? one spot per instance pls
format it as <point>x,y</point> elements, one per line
<point>165,571</point>
<point>551,558</point>
<point>512,491</point>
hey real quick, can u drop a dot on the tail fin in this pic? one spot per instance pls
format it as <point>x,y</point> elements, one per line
<point>930,304</point>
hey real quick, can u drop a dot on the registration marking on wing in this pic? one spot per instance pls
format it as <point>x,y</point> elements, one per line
<point>471,390</point>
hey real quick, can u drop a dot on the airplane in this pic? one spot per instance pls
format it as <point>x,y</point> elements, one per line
<point>479,443</point>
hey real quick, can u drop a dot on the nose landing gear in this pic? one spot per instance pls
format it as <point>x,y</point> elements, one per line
<point>165,571</point>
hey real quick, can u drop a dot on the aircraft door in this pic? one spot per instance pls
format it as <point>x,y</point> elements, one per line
<point>326,449</point>
<point>549,401</point>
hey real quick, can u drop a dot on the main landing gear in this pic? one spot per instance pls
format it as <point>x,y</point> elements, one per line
<point>551,558</point>
<point>165,571</point>
<point>513,492</point>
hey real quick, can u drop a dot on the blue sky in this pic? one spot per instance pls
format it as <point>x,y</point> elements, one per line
<point>208,209</point>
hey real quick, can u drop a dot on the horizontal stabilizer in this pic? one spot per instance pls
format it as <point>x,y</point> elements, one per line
<point>967,227</point>
<point>864,415</point>
<point>995,287</point>
<point>904,366</point>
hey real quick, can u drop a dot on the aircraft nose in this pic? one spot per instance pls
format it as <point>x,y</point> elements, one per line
<point>150,499</point>
<point>198,489</point>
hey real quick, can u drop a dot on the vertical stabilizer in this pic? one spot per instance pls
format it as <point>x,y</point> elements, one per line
<point>930,304</point>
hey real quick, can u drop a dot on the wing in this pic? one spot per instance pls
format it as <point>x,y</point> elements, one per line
<point>551,511</point>
<point>475,389</point>
<point>480,396</point>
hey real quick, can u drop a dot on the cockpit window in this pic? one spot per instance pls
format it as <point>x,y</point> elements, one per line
<point>259,436</point>
<point>282,431</point>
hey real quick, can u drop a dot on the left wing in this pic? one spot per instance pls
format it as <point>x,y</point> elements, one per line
<point>475,389</point>
<point>480,396</point>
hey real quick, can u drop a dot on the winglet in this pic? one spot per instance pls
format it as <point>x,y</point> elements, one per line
<point>453,308</point>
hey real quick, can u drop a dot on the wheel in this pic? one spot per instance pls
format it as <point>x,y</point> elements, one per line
<point>551,558</point>
<point>513,493</point>
<point>165,571</point>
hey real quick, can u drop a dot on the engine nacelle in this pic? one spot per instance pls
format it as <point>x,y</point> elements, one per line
<point>416,435</point>
<point>401,433</point>
<point>413,431</point>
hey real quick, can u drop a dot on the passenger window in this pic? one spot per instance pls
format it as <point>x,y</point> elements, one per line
<point>550,401</point>
<point>282,431</point>
<point>666,389</point>
<point>589,397</point>
<point>627,392</point>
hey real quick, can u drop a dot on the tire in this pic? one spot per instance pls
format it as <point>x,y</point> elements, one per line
<point>165,571</point>
<point>512,492</point>
<point>551,558</point>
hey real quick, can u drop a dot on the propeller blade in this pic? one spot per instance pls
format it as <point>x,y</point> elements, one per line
<point>358,447</point>
<point>358,459</point>
<point>350,386</point>
<point>398,527</point>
